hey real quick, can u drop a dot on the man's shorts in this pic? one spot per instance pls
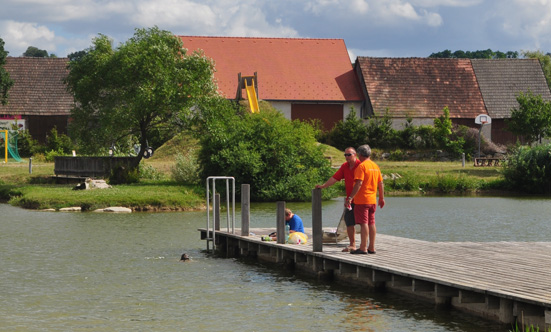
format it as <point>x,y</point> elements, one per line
<point>365,213</point>
<point>349,217</point>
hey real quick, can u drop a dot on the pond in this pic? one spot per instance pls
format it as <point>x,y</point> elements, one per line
<point>120,272</point>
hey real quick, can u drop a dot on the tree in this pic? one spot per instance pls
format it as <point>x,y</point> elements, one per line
<point>146,85</point>
<point>278,157</point>
<point>532,119</point>
<point>480,54</point>
<point>351,132</point>
<point>36,52</point>
<point>5,81</point>
<point>545,61</point>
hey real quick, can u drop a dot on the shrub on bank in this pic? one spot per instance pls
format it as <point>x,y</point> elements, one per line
<point>440,183</point>
<point>529,169</point>
<point>279,158</point>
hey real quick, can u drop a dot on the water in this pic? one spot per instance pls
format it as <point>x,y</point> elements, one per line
<point>120,272</point>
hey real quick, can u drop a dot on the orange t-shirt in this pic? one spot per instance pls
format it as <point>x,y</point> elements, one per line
<point>370,174</point>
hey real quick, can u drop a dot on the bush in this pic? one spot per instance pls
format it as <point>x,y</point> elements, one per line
<point>26,145</point>
<point>280,159</point>
<point>50,155</point>
<point>426,137</point>
<point>408,135</point>
<point>57,142</point>
<point>123,175</point>
<point>352,132</point>
<point>380,133</point>
<point>528,169</point>
<point>186,168</point>
<point>149,172</point>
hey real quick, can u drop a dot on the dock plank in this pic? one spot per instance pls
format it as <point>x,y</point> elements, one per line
<point>516,270</point>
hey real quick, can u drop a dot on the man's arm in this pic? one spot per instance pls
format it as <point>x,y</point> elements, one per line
<point>329,183</point>
<point>357,185</point>
<point>381,194</point>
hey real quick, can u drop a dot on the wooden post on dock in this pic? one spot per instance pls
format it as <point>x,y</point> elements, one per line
<point>317,230</point>
<point>245,209</point>
<point>280,226</point>
<point>217,212</point>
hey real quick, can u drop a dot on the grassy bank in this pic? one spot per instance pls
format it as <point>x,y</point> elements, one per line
<point>33,191</point>
<point>36,191</point>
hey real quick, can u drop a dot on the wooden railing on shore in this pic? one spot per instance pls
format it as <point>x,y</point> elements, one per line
<point>89,166</point>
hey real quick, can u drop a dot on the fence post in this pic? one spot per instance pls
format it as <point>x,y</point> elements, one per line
<point>245,209</point>
<point>317,230</point>
<point>280,226</point>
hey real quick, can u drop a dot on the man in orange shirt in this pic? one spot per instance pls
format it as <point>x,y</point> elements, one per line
<point>367,179</point>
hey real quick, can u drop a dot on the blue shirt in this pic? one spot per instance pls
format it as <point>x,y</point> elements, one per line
<point>295,224</point>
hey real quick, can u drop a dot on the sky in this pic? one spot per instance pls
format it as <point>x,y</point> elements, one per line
<point>377,28</point>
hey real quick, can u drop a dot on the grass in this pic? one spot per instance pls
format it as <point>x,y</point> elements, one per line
<point>35,191</point>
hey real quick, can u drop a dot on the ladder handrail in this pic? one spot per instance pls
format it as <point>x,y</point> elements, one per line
<point>214,210</point>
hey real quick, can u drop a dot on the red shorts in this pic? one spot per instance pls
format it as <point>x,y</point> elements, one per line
<point>365,213</point>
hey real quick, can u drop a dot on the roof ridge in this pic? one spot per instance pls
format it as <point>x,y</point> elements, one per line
<point>282,38</point>
<point>408,58</point>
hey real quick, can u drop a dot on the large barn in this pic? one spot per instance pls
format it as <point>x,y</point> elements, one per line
<point>302,78</point>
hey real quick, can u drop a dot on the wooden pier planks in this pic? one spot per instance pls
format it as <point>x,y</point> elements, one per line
<point>514,270</point>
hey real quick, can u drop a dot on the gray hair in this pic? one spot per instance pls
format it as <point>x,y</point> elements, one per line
<point>364,151</point>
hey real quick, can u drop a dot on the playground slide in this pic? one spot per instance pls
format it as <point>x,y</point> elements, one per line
<point>251,94</point>
<point>14,153</point>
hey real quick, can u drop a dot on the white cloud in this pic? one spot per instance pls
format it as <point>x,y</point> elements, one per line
<point>18,36</point>
<point>360,6</point>
<point>172,13</point>
<point>528,19</point>
<point>445,3</point>
<point>397,12</point>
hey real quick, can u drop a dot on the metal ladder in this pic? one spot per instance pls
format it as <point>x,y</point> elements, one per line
<point>211,228</point>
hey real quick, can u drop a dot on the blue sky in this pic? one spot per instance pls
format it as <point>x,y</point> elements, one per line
<point>380,28</point>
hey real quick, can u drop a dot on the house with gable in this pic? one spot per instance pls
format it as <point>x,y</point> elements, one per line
<point>38,99</point>
<point>303,78</point>
<point>500,83</point>
<point>420,88</point>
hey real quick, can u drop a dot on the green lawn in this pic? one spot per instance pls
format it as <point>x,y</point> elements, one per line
<point>36,192</point>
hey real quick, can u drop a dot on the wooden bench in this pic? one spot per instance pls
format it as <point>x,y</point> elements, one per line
<point>486,162</point>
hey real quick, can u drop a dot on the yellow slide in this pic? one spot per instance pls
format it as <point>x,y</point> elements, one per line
<point>251,94</point>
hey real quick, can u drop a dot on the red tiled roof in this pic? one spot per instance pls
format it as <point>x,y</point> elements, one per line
<point>287,68</point>
<point>421,87</point>
<point>38,87</point>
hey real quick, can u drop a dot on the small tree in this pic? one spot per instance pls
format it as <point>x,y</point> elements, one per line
<point>351,132</point>
<point>532,119</point>
<point>5,82</point>
<point>443,128</point>
<point>379,131</point>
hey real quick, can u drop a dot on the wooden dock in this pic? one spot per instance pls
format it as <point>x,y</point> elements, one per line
<point>502,281</point>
